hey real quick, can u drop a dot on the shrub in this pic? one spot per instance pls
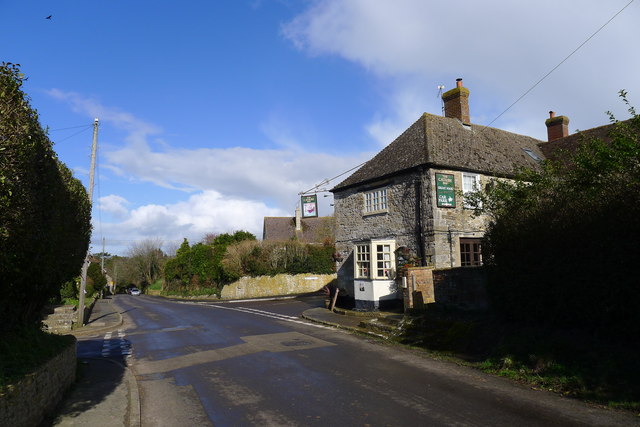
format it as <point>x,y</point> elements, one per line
<point>271,258</point>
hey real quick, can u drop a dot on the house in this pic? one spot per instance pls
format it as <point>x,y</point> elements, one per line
<point>406,205</point>
<point>305,230</point>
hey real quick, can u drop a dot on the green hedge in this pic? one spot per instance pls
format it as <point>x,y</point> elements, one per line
<point>44,211</point>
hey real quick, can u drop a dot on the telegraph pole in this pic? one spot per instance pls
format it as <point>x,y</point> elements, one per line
<point>85,266</point>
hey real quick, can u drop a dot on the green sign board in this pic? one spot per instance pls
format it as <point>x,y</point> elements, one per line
<point>445,190</point>
<point>309,206</point>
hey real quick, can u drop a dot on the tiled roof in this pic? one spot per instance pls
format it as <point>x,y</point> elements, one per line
<point>446,143</point>
<point>554,149</point>
<point>314,230</point>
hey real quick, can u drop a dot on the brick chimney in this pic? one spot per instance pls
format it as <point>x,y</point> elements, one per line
<point>456,103</point>
<point>557,127</point>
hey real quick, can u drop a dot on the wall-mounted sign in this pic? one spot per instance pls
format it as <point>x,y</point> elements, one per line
<point>309,206</point>
<point>445,190</point>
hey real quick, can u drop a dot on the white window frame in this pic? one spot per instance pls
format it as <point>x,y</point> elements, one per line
<point>466,188</point>
<point>362,260</point>
<point>375,260</point>
<point>376,201</point>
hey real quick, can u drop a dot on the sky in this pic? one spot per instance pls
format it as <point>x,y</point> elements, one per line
<point>215,114</point>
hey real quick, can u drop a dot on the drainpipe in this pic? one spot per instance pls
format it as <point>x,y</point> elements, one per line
<point>419,219</point>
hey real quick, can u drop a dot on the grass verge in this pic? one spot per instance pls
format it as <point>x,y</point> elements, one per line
<point>23,351</point>
<point>568,362</point>
<point>192,293</point>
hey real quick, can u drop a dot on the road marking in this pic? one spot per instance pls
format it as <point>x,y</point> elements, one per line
<point>269,314</point>
<point>114,347</point>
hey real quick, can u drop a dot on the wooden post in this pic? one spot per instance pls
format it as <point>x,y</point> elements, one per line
<point>335,297</point>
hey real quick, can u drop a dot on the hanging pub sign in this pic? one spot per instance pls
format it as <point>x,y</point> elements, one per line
<point>445,190</point>
<point>309,206</point>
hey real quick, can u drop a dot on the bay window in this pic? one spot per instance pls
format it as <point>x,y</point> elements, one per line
<point>375,260</point>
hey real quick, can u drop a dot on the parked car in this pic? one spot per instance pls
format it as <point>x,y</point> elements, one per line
<point>134,291</point>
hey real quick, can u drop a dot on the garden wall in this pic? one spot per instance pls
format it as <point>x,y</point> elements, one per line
<point>278,285</point>
<point>461,287</point>
<point>28,401</point>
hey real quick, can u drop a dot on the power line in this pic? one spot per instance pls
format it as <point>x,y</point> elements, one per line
<point>328,180</point>
<point>72,127</point>
<point>72,135</point>
<point>561,62</point>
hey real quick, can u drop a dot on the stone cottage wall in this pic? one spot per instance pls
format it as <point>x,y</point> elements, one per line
<point>399,223</point>
<point>448,225</point>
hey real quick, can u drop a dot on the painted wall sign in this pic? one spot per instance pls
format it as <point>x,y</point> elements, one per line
<point>445,190</point>
<point>309,206</point>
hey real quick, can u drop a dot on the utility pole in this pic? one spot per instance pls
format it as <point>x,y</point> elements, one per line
<point>102,257</point>
<point>85,266</point>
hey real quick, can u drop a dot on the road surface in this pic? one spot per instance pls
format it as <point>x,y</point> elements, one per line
<point>259,363</point>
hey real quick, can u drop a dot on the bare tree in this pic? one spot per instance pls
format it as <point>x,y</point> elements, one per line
<point>147,259</point>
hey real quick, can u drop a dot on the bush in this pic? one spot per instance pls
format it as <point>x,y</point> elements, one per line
<point>270,258</point>
<point>200,266</point>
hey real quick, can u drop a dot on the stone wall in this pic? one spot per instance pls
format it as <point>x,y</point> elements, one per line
<point>463,287</point>
<point>278,285</point>
<point>27,402</point>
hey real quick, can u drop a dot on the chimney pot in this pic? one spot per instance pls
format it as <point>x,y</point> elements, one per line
<point>552,114</point>
<point>459,82</point>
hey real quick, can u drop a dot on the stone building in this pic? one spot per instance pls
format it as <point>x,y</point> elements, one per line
<point>406,205</point>
<point>305,230</point>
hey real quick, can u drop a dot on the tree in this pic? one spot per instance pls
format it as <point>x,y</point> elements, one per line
<point>200,266</point>
<point>99,280</point>
<point>147,260</point>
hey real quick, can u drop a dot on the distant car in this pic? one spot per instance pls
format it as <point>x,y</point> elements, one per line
<point>134,291</point>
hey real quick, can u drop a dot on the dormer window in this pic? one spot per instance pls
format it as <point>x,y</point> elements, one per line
<point>375,201</point>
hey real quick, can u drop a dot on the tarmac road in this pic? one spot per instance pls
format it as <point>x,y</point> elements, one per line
<point>259,363</point>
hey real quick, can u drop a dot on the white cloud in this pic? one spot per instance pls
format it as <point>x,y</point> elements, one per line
<point>500,49</point>
<point>202,213</point>
<point>233,188</point>
<point>115,205</point>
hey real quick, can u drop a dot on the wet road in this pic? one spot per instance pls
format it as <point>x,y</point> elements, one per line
<point>258,363</point>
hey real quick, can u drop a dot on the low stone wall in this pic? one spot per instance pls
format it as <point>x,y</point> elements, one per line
<point>278,285</point>
<point>28,401</point>
<point>462,287</point>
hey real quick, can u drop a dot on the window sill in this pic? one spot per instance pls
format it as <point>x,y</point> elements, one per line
<point>380,212</point>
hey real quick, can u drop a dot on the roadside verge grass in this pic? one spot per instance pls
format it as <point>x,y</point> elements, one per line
<point>567,362</point>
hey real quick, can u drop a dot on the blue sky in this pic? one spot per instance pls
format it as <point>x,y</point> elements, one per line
<point>216,114</point>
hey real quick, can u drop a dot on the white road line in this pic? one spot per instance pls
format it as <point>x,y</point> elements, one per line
<point>270,315</point>
<point>120,343</point>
